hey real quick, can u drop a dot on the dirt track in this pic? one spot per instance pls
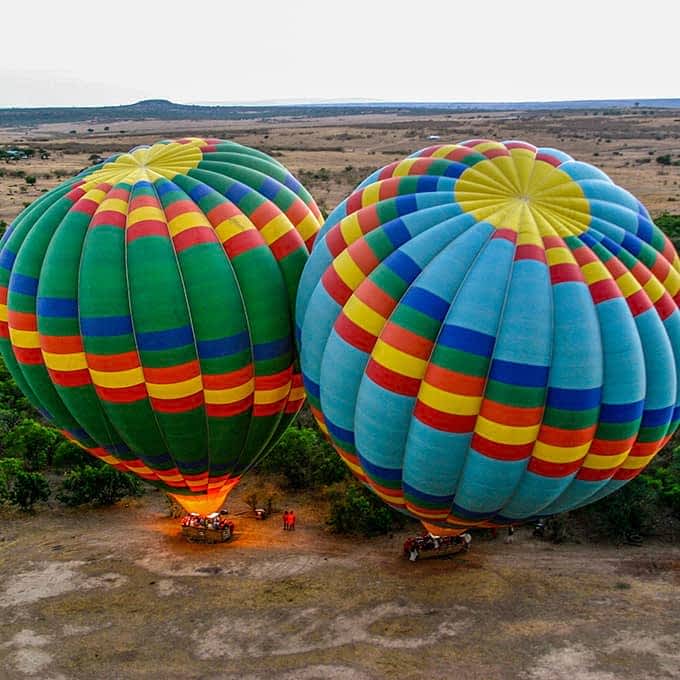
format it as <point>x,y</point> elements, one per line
<point>117,593</point>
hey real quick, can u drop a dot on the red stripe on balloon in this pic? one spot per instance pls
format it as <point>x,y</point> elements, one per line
<point>146,228</point>
<point>194,237</point>
<point>122,395</point>
<point>446,422</point>
<point>391,380</point>
<point>500,451</point>
<point>179,405</point>
<point>353,334</point>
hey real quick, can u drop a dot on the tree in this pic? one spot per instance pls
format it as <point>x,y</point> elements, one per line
<point>28,489</point>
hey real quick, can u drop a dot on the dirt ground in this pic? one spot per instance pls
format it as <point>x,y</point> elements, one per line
<point>119,593</point>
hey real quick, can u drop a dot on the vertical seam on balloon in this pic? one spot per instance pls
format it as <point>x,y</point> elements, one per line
<point>17,373</point>
<point>134,334</point>
<point>443,322</point>
<point>189,313</point>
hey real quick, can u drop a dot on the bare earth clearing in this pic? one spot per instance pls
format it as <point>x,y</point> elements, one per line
<point>117,593</point>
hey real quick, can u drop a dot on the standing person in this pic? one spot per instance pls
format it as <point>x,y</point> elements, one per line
<point>291,520</point>
<point>286,520</point>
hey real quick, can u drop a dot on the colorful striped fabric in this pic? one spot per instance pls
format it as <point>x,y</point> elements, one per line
<point>490,332</point>
<point>146,309</point>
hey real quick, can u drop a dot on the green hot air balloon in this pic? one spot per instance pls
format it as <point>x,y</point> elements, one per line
<point>146,310</point>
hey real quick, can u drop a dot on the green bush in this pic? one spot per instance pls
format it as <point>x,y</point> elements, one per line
<point>98,485</point>
<point>68,455</point>
<point>356,510</point>
<point>305,459</point>
<point>28,488</point>
<point>32,442</point>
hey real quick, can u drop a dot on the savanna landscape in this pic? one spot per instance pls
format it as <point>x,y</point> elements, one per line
<point>113,590</point>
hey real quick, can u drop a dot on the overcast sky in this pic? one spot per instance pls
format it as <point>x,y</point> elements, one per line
<point>75,53</point>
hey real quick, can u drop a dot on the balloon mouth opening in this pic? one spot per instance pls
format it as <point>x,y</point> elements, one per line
<point>207,503</point>
<point>443,531</point>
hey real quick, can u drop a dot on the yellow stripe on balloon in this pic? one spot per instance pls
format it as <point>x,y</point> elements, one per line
<point>362,315</point>
<point>146,212</point>
<point>307,227</point>
<point>506,434</point>
<point>402,169</point>
<point>65,362</point>
<point>627,284</point>
<point>398,361</point>
<point>229,395</point>
<point>115,379</point>
<point>654,289</point>
<point>371,194</point>
<point>271,396</point>
<point>111,204</point>
<point>350,229</point>
<point>3,313</point>
<point>187,220</point>
<point>594,272</point>
<point>559,255</point>
<point>297,393</point>
<point>232,226</point>
<point>184,388</point>
<point>448,402</point>
<point>559,454</point>
<point>598,462</point>
<point>24,339</point>
<point>275,228</point>
<point>637,462</point>
<point>348,270</point>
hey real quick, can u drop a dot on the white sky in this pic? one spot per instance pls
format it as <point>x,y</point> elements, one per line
<point>75,53</point>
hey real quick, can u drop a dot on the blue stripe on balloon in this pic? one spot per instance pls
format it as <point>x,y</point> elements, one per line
<point>237,191</point>
<point>632,243</point>
<point>656,417</point>
<point>222,347</point>
<point>405,204</point>
<point>200,191</point>
<point>273,349</point>
<point>466,340</point>
<point>102,326</point>
<point>340,433</point>
<point>269,188</point>
<point>574,400</point>
<point>645,230</point>
<point>66,308</point>
<point>397,232</point>
<point>192,466</point>
<point>292,183</point>
<point>416,494</point>
<point>7,258</point>
<point>20,283</point>
<point>164,186</point>
<point>403,266</point>
<point>427,183</point>
<point>372,470</point>
<point>426,302</point>
<point>621,413</point>
<point>167,339</point>
<point>311,387</point>
<point>455,169</point>
<point>524,375</point>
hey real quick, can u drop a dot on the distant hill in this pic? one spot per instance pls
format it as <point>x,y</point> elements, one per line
<point>162,109</point>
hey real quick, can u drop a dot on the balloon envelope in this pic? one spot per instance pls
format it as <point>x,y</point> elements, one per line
<point>146,309</point>
<point>489,332</point>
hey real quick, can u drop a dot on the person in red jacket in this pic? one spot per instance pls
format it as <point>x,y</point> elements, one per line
<point>286,520</point>
<point>291,519</point>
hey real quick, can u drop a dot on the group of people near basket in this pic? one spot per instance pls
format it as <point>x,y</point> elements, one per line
<point>289,520</point>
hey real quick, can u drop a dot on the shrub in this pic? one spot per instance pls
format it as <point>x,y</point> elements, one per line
<point>32,442</point>
<point>28,488</point>
<point>305,459</point>
<point>665,159</point>
<point>356,510</point>
<point>9,468</point>
<point>30,179</point>
<point>68,455</point>
<point>99,485</point>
